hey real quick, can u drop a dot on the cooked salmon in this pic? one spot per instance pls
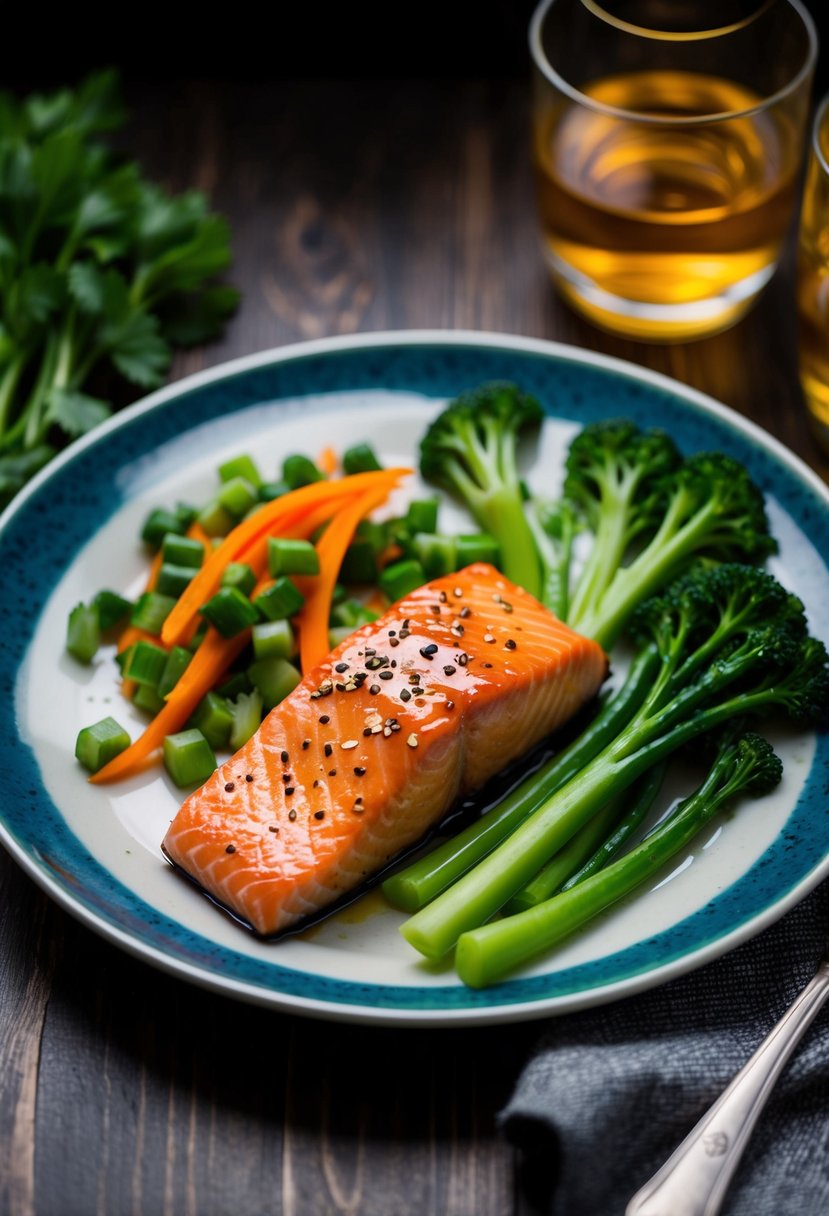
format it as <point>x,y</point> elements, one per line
<point>371,749</point>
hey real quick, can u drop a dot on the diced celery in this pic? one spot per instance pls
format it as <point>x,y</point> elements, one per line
<point>360,458</point>
<point>279,599</point>
<point>237,496</point>
<point>151,611</point>
<point>360,562</point>
<point>145,663</point>
<point>240,576</point>
<point>478,547</point>
<point>422,515</point>
<point>351,613</point>
<point>173,579</point>
<point>273,639</point>
<point>214,718</point>
<point>376,534</point>
<point>83,633</point>
<point>148,698</point>
<point>274,678</point>
<point>188,757</point>
<point>182,551</point>
<point>240,466</point>
<point>287,556</point>
<point>437,554</point>
<point>230,611</point>
<point>215,518</point>
<point>158,523</point>
<point>96,745</point>
<point>247,718</point>
<point>234,685</point>
<point>177,662</point>
<point>112,609</point>
<point>402,577</point>
<point>299,471</point>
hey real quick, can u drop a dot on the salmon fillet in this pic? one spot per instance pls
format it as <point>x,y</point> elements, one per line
<point>372,748</point>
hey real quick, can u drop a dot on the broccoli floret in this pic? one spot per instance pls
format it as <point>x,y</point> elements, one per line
<point>709,507</point>
<point>471,450</point>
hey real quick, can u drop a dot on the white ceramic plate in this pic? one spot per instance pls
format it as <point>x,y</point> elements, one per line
<point>96,849</point>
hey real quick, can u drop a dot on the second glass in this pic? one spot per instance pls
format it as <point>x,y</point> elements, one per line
<point>667,155</point>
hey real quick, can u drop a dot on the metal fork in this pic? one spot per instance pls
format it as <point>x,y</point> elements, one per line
<point>694,1179</point>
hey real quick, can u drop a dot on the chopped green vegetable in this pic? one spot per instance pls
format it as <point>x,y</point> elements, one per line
<point>188,757</point>
<point>278,600</point>
<point>298,471</point>
<point>230,611</point>
<point>422,515</point>
<point>145,663</point>
<point>215,518</point>
<point>178,660</point>
<point>238,496</point>
<point>437,554</point>
<point>240,576</point>
<point>158,524</point>
<point>173,579</point>
<point>402,577</point>
<point>360,459</point>
<point>274,678</point>
<point>112,609</point>
<point>273,639</point>
<point>96,745</point>
<point>241,466</point>
<point>477,547</point>
<point>148,698</point>
<point>182,551</point>
<point>214,718</point>
<point>270,490</point>
<point>247,718</point>
<point>360,562</point>
<point>151,611</point>
<point>286,556</point>
<point>83,633</point>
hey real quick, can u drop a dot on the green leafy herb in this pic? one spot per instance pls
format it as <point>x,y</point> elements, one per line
<point>101,273</point>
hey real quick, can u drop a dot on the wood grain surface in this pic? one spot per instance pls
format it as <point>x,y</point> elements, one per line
<point>124,1092</point>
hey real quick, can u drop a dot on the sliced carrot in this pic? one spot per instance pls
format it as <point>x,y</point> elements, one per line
<point>328,462</point>
<point>155,567</point>
<point>210,662</point>
<point>197,532</point>
<point>313,617</point>
<point>295,509</point>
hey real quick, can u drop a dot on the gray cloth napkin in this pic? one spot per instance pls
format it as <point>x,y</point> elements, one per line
<point>610,1092</point>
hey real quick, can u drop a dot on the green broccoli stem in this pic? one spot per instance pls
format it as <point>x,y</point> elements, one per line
<point>555,563</point>
<point>647,793</point>
<point>491,952</point>
<point>422,881</point>
<point>608,550</point>
<point>501,513</point>
<point>483,891</point>
<point>605,617</point>
<point>594,845</point>
<point>8,386</point>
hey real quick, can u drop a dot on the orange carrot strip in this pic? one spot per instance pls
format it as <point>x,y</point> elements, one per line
<point>327,461</point>
<point>212,659</point>
<point>197,532</point>
<point>331,547</point>
<point>287,511</point>
<point>155,566</point>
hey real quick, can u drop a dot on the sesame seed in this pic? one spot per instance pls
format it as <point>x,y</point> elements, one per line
<point>405,695</point>
<point>370,650</point>
<point>404,633</point>
<point>449,670</point>
<point>429,651</point>
<point>366,732</point>
<point>466,612</point>
<point>394,642</point>
<point>435,608</point>
<point>324,719</point>
<point>328,749</point>
<point>442,597</point>
<point>292,815</point>
<point>374,689</point>
<point>359,771</point>
<point>349,743</point>
<point>412,740</point>
<point>386,675</point>
<point>332,772</point>
<point>319,814</point>
<point>341,667</point>
<point>286,778</point>
<point>316,783</point>
<point>463,659</point>
<point>285,757</point>
<point>458,593</point>
<point>231,848</point>
<point>392,632</point>
<point>248,776</point>
<point>273,828</point>
<point>289,789</point>
<point>306,743</point>
<point>510,644</point>
<point>486,664</point>
<point>229,787</point>
<point>450,704</point>
<point>488,637</point>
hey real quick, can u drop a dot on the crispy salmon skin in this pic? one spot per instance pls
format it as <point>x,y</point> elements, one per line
<point>371,749</point>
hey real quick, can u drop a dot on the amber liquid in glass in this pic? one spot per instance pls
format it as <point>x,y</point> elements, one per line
<point>657,229</point>
<point>813,289</point>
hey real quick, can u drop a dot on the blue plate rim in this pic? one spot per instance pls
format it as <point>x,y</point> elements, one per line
<point>479,1008</point>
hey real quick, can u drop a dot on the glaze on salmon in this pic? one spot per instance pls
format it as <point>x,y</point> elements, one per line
<point>371,749</point>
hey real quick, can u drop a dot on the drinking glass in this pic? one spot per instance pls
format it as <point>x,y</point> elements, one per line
<point>813,279</point>
<point>668,136</point>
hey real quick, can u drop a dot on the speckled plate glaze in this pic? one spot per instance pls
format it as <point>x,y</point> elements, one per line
<point>96,850</point>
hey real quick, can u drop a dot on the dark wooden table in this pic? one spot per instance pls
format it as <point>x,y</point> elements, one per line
<point>124,1092</point>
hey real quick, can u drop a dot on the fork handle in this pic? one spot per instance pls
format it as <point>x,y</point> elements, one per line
<point>694,1179</point>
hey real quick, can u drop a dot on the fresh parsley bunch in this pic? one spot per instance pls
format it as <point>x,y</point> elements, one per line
<point>101,272</point>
